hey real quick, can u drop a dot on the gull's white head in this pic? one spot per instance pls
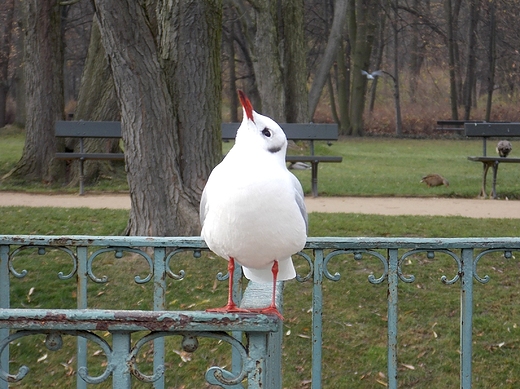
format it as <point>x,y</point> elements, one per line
<point>259,131</point>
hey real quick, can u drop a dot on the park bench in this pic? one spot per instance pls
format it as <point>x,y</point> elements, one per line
<point>300,132</point>
<point>294,131</point>
<point>486,131</point>
<point>83,130</point>
<point>454,125</point>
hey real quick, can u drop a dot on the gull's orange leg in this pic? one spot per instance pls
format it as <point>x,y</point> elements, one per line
<point>271,309</point>
<point>230,307</point>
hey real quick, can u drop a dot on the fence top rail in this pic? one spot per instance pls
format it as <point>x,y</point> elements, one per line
<point>196,242</point>
<point>136,320</point>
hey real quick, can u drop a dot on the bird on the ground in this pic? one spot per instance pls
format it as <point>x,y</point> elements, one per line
<point>253,213</point>
<point>299,166</point>
<point>504,147</point>
<point>373,75</point>
<point>435,180</point>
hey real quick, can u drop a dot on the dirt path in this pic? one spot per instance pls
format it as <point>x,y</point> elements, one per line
<point>474,208</point>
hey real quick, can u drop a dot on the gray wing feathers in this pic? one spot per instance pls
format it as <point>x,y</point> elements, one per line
<point>299,197</point>
<point>203,201</point>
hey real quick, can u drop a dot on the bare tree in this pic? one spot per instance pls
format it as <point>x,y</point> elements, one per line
<point>491,59</point>
<point>165,62</point>
<point>294,61</point>
<point>362,26</point>
<point>44,85</point>
<point>469,82</point>
<point>97,100</point>
<point>322,74</point>
<point>6,21</point>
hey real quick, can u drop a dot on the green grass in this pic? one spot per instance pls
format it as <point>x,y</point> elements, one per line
<point>354,346</point>
<point>371,167</point>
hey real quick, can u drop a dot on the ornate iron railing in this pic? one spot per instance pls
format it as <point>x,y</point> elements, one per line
<point>256,356</point>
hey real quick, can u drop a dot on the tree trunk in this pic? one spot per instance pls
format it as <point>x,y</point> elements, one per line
<point>19,76</point>
<point>320,78</point>
<point>451,61</point>
<point>97,101</point>
<point>343,89</point>
<point>229,47</point>
<point>469,82</point>
<point>266,56</point>
<point>193,79</point>
<point>417,50</point>
<point>294,62</point>
<point>44,86</point>
<point>6,19</point>
<point>491,59</point>
<point>155,132</point>
<point>362,36</point>
<point>397,97</point>
<point>381,39</point>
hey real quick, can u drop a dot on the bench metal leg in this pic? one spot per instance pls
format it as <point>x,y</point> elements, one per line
<point>483,189</point>
<point>81,176</point>
<point>495,171</point>
<point>314,178</point>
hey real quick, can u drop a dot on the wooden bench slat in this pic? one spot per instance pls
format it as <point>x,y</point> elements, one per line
<point>81,129</point>
<point>293,131</point>
<point>489,130</point>
<point>312,158</point>
<point>112,156</point>
<point>494,159</point>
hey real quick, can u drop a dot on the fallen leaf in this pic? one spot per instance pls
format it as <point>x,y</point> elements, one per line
<point>411,367</point>
<point>42,358</point>
<point>31,291</point>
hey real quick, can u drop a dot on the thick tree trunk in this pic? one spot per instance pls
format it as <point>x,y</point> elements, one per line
<point>137,42</point>
<point>97,101</point>
<point>266,56</point>
<point>6,19</point>
<point>190,36</point>
<point>228,42</point>
<point>294,62</point>
<point>44,87</point>
<point>19,77</point>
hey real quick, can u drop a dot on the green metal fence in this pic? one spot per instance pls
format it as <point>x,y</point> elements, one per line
<point>255,339</point>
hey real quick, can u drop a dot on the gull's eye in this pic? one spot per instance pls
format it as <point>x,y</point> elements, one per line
<point>266,132</point>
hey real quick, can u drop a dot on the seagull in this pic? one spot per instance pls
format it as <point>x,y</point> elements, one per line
<point>504,147</point>
<point>435,180</point>
<point>373,75</point>
<point>253,213</point>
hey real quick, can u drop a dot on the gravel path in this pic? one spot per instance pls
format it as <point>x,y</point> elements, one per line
<point>475,208</point>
